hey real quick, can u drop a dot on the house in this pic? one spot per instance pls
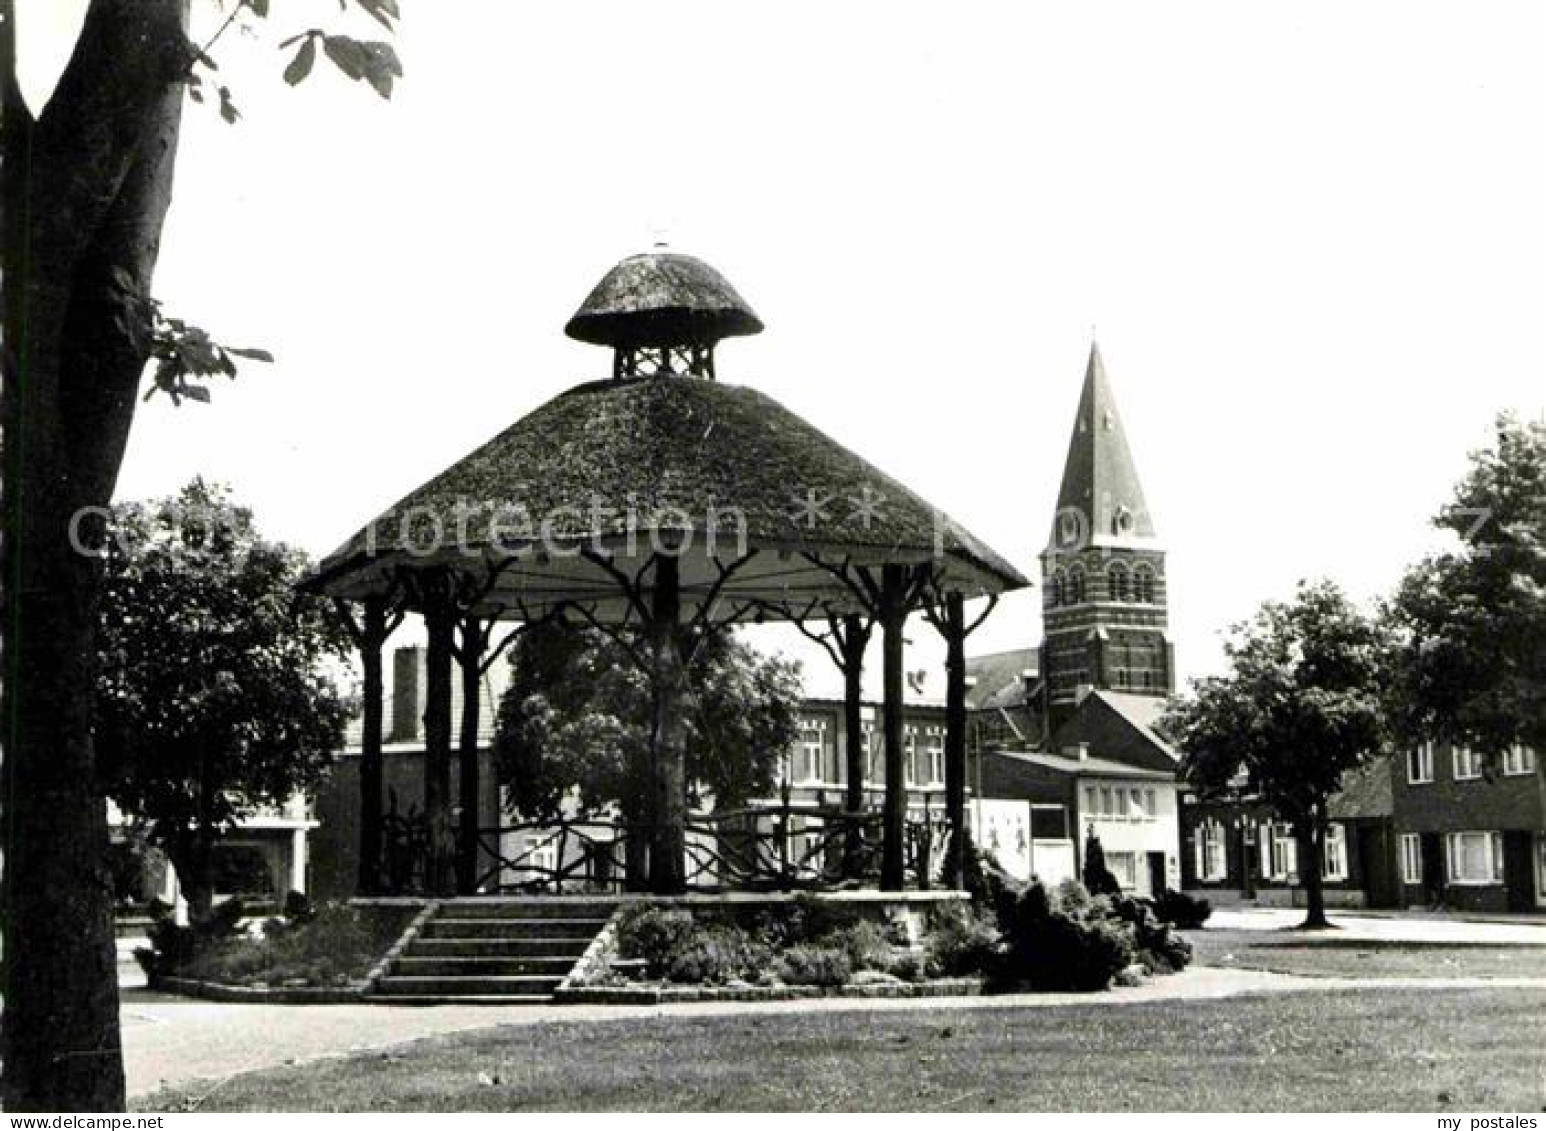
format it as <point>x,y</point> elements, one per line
<point>1471,836</point>
<point>1235,849</point>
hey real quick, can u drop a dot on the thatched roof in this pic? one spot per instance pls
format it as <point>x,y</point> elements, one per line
<point>673,453</point>
<point>662,298</point>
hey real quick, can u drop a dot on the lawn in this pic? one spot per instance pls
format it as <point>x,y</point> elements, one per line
<point>1365,1050</point>
<point>1333,955</point>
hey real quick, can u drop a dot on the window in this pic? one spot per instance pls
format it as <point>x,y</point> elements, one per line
<point>1419,764</point>
<point>1091,808</point>
<point>1143,585</point>
<point>1076,586</point>
<point>1279,853</point>
<point>1208,850</point>
<point>1518,760</point>
<point>1468,764</point>
<point>1049,822</point>
<point>1150,804</point>
<point>934,752</point>
<point>874,760</point>
<point>1124,866</point>
<point>1108,806</point>
<point>1056,594</point>
<point>1334,864</point>
<point>1411,859</point>
<point>1117,582</point>
<point>909,756</point>
<point>1475,857</point>
<point>1136,810</point>
<point>813,751</point>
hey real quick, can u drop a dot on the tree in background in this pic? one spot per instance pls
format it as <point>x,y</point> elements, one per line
<point>574,723</point>
<point>1299,707</point>
<point>213,692</point>
<point>87,181</point>
<point>1470,665</point>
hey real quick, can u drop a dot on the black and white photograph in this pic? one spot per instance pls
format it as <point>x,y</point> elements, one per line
<point>670,555</point>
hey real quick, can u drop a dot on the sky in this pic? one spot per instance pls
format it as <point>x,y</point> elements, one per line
<point>1310,238</point>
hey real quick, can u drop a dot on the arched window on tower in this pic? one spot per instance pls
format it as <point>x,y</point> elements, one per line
<point>1117,582</point>
<point>1143,585</point>
<point>1076,586</point>
<point>1057,589</point>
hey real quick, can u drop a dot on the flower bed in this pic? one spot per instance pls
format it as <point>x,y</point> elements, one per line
<point>307,955</point>
<point>1016,938</point>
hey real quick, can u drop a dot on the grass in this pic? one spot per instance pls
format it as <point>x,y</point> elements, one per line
<point>1407,1050</point>
<point>1332,955</point>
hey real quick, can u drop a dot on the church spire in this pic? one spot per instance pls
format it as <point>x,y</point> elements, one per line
<point>1101,493</point>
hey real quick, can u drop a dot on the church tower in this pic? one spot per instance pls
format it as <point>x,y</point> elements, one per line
<point>1103,571</point>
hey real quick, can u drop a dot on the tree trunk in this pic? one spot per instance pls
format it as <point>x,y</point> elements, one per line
<point>955,739</point>
<point>470,656</point>
<point>668,839</point>
<point>893,618</point>
<point>1310,834</point>
<point>852,644</point>
<point>86,188</point>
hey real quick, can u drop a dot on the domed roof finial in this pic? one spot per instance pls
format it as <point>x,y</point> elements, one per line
<point>662,303</point>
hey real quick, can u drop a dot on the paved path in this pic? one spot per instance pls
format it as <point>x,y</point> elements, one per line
<point>1428,928</point>
<point>177,1041</point>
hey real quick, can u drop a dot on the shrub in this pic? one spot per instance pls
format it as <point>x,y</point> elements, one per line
<point>1062,948</point>
<point>338,944</point>
<point>655,935</point>
<point>867,945</point>
<point>1160,949</point>
<point>814,966</point>
<point>715,955</point>
<point>960,942</point>
<point>1178,909</point>
<point>804,920</point>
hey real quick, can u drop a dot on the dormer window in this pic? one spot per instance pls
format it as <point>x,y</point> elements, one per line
<point>1122,521</point>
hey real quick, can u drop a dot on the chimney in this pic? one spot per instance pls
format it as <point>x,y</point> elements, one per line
<point>407,693</point>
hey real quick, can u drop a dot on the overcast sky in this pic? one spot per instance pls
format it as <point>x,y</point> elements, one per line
<point>1311,238</point>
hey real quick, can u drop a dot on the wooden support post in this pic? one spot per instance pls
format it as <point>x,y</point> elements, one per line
<point>668,839</point>
<point>469,655</point>
<point>440,624</point>
<point>955,739</point>
<point>893,619</point>
<point>852,644</point>
<point>371,638</point>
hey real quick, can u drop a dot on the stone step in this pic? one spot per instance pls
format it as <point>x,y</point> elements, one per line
<point>550,908</point>
<point>523,985</point>
<point>464,999</point>
<point>444,926</point>
<point>415,965</point>
<point>499,947</point>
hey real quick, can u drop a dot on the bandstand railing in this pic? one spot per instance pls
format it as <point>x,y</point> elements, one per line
<point>783,848</point>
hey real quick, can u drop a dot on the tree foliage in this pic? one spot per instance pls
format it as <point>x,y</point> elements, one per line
<point>214,696</point>
<point>1299,707</point>
<point>576,717</point>
<point>1471,623</point>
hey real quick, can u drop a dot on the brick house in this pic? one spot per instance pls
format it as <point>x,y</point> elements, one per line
<point>1235,849</point>
<point>1470,839</point>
